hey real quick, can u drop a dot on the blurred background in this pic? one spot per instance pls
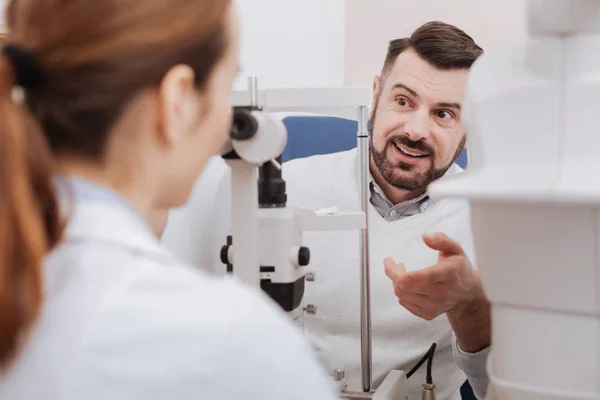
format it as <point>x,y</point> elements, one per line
<point>342,42</point>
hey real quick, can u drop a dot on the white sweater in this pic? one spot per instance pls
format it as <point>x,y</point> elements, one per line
<point>399,338</point>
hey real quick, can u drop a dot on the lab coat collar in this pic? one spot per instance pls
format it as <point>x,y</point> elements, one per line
<point>111,223</point>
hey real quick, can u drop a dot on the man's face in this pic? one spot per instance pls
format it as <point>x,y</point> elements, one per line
<point>416,129</point>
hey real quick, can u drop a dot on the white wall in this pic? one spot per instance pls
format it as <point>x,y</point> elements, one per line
<point>371,24</point>
<point>296,43</point>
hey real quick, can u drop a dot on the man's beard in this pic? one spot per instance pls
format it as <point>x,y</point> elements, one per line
<point>407,179</point>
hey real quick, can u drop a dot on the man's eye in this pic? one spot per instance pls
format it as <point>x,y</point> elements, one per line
<point>443,114</point>
<point>402,101</point>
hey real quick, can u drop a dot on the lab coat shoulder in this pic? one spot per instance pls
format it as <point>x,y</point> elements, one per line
<point>171,332</point>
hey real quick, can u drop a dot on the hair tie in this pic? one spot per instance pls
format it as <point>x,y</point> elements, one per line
<point>27,71</point>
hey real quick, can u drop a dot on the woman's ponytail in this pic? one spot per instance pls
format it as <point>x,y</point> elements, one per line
<point>30,223</point>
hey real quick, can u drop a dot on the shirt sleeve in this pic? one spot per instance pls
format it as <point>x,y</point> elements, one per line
<point>474,365</point>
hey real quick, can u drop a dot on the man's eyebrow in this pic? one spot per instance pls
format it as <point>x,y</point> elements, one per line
<point>442,104</point>
<point>403,86</point>
<point>449,105</point>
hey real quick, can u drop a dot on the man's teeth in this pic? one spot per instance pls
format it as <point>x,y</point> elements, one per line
<point>410,153</point>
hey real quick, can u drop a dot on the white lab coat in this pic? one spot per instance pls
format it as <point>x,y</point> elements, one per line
<point>123,320</point>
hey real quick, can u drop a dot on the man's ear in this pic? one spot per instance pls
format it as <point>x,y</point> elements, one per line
<point>175,90</point>
<point>376,87</point>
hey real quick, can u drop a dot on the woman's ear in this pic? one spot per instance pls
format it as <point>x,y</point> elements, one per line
<point>176,104</point>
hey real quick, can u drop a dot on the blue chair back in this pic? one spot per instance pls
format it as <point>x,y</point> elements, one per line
<point>313,135</point>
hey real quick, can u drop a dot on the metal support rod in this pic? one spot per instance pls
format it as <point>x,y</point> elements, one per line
<point>365,284</point>
<point>253,88</point>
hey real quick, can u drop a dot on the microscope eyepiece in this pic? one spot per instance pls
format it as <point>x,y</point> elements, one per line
<point>244,124</point>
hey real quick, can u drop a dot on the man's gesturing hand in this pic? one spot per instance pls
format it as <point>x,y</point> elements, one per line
<point>437,289</point>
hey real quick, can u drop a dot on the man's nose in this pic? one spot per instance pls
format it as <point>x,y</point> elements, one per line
<point>417,125</point>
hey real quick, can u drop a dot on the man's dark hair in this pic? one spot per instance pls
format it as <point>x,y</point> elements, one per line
<point>442,45</point>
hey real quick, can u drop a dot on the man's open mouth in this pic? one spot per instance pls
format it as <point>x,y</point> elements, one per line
<point>410,152</point>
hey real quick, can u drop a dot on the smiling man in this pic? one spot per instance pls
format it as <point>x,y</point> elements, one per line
<point>423,285</point>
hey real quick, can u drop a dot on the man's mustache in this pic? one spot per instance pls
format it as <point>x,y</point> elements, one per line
<point>418,145</point>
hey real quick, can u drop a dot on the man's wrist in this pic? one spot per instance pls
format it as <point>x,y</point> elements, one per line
<point>471,323</point>
<point>470,306</point>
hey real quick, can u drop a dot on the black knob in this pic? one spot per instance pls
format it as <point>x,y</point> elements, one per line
<point>303,256</point>
<point>224,254</point>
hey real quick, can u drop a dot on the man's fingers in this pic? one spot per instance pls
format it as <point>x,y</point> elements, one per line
<point>434,291</point>
<point>427,314</point>
<point>421,306</point>
<point>442,243</point>
<point>392,270</point>
<point>411,307</point>
<point>422,300</point>
<point>423,278</point>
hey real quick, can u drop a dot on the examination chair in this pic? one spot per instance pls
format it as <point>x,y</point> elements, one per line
<point>312,135</point>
